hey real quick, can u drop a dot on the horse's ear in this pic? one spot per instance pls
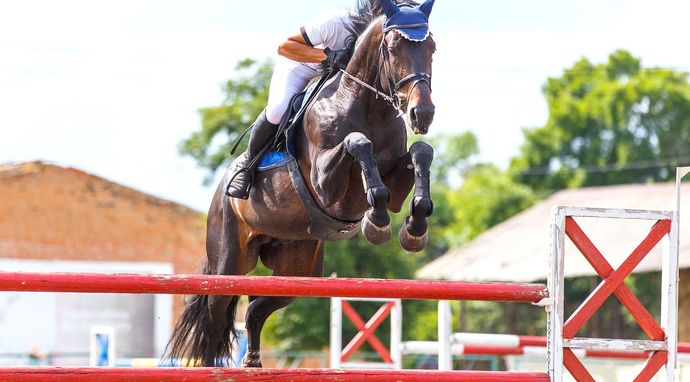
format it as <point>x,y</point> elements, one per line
<point>389,7</point>
<point>426,7</point>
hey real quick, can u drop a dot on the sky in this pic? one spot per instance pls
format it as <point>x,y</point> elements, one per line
<point>113,87</point>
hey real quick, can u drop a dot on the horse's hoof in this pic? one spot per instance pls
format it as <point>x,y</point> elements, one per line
<point>252,359</point>
<point>375,234</point>
<point>412,243</point>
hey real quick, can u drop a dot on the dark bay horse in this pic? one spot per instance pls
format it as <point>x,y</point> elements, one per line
<point>352,155</point>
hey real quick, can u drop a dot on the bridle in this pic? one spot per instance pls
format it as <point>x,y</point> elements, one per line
<point>389,76</point>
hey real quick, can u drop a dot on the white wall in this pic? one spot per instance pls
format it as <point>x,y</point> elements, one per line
<point>44,319</point>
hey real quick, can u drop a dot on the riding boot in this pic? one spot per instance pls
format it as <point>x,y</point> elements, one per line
<point>241,180</point>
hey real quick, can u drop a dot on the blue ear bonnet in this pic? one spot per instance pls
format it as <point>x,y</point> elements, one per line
<point>411,22</point>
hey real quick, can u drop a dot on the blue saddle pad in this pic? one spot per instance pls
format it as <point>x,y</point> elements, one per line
<point>273,159</point>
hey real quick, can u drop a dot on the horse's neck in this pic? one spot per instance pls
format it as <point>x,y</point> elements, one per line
<point>364,65</point>
<point>365,60</point>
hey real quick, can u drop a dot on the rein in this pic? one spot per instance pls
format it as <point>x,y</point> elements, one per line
<point>393,85</point>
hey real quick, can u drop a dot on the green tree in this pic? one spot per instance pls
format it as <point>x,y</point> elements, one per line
<point>245,97</point>
<point>453,156</point>
<point>610,123</point>
<point>487,197</point>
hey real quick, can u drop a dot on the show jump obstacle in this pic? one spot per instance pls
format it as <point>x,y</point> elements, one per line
<point>267,286</point>
<point>561,340</point>
<point>561,346</point>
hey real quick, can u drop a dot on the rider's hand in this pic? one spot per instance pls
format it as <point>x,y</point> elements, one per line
<point>336,59</point>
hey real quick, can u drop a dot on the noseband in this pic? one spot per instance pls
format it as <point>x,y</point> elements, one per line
<point>393,86</point>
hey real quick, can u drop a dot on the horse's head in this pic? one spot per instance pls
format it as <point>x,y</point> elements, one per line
<point>407,48</point>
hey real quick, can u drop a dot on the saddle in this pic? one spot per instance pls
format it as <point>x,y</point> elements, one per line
<point>281,153</point>
<point>281,148</point>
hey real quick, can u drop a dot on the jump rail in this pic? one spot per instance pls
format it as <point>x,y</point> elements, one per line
<point>269,286</point>
<point>265,286</point>
<point>561,342</point>
<point>169,374</point>
<point>431,348</point>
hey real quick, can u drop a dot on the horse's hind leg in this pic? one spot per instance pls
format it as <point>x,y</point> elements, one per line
<point>225,257</point>
<point>294,258</point>
<point>413,234</point>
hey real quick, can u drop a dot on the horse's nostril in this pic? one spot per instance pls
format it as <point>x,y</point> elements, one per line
<point>413,114</point>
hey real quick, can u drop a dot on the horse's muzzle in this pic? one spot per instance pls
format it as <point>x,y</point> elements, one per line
<point>420,117</point>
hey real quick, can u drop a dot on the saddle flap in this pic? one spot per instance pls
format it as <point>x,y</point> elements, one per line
<point>297,101</point>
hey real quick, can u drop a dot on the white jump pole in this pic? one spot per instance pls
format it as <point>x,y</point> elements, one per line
<point>445,357</point>
<point>336,331</point>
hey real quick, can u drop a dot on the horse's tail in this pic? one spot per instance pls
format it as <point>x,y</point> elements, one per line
<point>195,341</point>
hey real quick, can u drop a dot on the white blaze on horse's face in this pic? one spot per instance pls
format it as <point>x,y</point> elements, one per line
<point>406,58</point>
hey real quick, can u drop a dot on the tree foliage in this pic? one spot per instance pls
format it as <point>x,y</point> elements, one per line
<point>245,97</point>
<point>487,197</point>
<point>609,123</point>
<point>453,156</point>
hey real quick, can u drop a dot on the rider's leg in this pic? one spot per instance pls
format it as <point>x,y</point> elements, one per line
<point>262,132</point>
<point>284,84</point>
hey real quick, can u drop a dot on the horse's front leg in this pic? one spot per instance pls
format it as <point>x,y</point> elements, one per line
<point>376,224</point>
<point>330,171</point>
<point>413,234</point>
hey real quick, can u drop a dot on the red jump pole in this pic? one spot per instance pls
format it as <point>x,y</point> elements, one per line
<point>109,374</point>
<point>269,286</point>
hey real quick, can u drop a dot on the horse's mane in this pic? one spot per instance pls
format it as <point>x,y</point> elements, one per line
<point>364,13</point>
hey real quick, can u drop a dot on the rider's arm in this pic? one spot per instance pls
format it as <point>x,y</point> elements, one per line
<point>297,49</point>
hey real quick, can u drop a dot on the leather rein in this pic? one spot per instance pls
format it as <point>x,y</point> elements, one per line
<point>393,86</point>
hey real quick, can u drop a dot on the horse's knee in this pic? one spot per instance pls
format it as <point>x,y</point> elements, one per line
<point>422,153</point>
<point>358,145</point>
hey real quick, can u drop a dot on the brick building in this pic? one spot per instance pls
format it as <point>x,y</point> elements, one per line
<point>55,218</point>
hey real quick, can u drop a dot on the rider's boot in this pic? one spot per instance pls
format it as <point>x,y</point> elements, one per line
<point>241,181</point>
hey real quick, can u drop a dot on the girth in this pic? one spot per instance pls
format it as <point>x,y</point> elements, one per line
<point>321,225</point>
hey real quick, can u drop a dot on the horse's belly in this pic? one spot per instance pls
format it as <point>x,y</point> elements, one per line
<point>275,209</point>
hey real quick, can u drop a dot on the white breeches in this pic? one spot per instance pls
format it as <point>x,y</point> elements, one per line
<point>286,82</point>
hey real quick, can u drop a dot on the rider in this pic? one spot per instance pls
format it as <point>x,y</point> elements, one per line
<point>325,42</point>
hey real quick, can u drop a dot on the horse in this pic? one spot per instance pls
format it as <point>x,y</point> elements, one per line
<point>352,166</point>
